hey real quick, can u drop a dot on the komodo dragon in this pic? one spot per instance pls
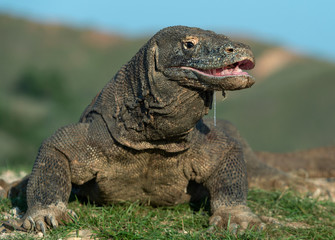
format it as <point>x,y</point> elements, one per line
<point>143,137</point>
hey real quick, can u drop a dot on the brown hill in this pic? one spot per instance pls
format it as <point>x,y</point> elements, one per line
<point>49,73</point>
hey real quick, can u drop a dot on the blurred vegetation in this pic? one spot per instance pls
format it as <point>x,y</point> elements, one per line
<point>47,85</point>
<point>50,73</point>
<point>292,109</point>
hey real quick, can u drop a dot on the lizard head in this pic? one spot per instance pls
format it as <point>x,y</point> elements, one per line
<point>202,59</point>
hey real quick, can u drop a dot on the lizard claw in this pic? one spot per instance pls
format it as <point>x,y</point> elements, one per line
<point>29,223</point>
<point>235,218</point>
<point>40,226</point>
<point>51,221</point>
<point>214,222</point>
<point>233,228</point>
<point>72,214</point>
<point>41,219</point>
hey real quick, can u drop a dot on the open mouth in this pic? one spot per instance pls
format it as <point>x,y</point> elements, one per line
<point>235,69</point>
<point>229,77</point>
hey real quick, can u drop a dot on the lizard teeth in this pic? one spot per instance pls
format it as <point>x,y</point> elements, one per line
<point>225,71</point>
<point>229,70</point>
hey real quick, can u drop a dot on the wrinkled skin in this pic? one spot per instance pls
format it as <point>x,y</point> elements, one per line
<point>143,138</point>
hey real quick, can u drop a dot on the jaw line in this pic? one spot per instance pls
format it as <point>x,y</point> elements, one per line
<point>227,70</point>
<point>229,82</point>
<point>218,77</point>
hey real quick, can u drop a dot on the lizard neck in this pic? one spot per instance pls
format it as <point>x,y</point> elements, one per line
<point>155,115</point>
<point>145,110</point>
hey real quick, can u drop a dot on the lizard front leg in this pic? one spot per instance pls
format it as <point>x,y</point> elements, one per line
<point>228,190</point>
<point>48,189</point>
<point>49,185</point>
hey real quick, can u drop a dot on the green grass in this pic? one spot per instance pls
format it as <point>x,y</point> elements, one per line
<point>288,207</point>
<point>134,221</point>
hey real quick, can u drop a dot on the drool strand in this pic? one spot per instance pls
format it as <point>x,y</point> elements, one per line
<point>214,106</point>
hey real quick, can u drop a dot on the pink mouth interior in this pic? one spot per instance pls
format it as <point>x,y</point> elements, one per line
<point>225,71</point>
<point>230,70</point>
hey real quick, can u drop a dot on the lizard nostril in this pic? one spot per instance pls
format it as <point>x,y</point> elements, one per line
<point>229,49</point>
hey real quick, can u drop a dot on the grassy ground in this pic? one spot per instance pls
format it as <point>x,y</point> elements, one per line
<point>299,218</point>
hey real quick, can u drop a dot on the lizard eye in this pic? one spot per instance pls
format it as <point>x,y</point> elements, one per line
<point>189,45</point>
<point>190,42</point>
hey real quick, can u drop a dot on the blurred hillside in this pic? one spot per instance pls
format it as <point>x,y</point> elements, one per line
<point>50,73</point>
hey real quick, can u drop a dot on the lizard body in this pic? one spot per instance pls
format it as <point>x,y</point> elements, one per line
<point>143,138</point>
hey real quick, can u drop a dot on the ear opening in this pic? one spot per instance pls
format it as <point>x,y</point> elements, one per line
<point>156,56</point>
<point>153,59</point>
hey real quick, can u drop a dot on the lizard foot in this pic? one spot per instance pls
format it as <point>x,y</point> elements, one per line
<point>235,218</point>
<point>43,218</point>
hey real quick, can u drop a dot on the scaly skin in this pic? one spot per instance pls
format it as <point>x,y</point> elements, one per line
<point>143,138</point>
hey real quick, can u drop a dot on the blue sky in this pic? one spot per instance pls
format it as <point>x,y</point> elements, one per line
<point>301,25</point>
